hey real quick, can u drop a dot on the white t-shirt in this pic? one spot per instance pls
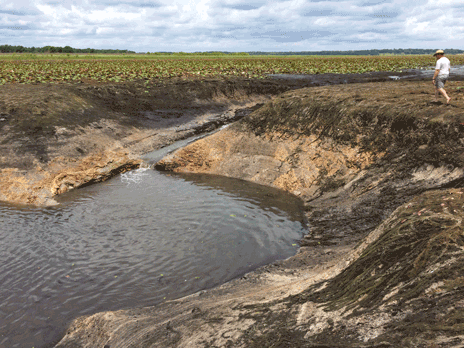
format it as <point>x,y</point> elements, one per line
<point>443,64</point>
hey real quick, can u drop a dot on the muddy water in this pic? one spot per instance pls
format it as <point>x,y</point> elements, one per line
<point>136,240</point>
<point>456,73</point>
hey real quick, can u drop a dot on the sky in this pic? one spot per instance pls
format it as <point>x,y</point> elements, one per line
<point>233,25</point>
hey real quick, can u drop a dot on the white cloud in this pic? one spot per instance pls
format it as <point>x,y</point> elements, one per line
<point>441,21</point>
<point>326,21</point>
<point>444,3</point>
<point>233,25</point>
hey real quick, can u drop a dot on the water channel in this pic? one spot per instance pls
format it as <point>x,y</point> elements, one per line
<point>138,239</point>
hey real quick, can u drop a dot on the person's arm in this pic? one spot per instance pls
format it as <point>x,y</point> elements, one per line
<point>437,71</point>
<point>435,75</point>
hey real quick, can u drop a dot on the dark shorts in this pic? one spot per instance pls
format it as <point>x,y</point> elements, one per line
<point>440,81</point>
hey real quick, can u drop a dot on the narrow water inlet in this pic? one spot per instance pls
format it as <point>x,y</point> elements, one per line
<point>136,240</point>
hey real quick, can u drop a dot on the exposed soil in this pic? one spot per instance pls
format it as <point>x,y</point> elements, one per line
<point>51,131</point>
<point>57,137</point>
<point>379,166</point>
<point>332,145</point>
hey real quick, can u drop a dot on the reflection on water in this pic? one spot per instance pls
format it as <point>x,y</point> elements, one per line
<point>135,240</point>
<point>263,197</point>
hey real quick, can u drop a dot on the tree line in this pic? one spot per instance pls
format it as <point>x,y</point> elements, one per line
<point>208,53</point>
<point>373,52</point>
<point>57,49</point>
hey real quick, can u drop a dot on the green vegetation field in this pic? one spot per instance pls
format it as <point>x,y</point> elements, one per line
<point>70,68</point>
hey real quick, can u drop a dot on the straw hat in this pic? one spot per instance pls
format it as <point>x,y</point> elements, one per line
<point>439,52</point>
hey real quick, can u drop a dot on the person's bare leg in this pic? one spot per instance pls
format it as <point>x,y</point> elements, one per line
<point>443,92</point>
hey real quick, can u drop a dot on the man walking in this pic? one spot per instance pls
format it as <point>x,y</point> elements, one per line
<point>441,75</point>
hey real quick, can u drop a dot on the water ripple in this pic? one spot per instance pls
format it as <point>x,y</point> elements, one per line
<point>135,240</point>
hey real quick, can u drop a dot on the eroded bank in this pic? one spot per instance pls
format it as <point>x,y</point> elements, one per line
<point>57,137</point>
<point>380,168</point>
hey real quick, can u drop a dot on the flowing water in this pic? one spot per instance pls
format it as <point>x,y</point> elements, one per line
<point>136,240</point>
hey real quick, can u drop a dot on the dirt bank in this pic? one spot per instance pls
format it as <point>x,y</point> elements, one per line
<point>57,137</point>
<point>332,145</point>
<point>380,168</point>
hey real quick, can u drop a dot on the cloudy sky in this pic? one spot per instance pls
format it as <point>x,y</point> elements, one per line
<point>233,25</point>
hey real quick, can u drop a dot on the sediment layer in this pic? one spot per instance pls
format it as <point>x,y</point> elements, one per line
<point>380,168</point>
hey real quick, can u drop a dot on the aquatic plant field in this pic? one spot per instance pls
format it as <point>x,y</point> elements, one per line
<point>69,68</point>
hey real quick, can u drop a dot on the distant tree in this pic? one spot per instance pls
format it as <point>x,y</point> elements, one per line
<point>68,49</point>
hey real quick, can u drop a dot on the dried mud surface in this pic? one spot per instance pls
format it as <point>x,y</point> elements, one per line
<point>380,168</point>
